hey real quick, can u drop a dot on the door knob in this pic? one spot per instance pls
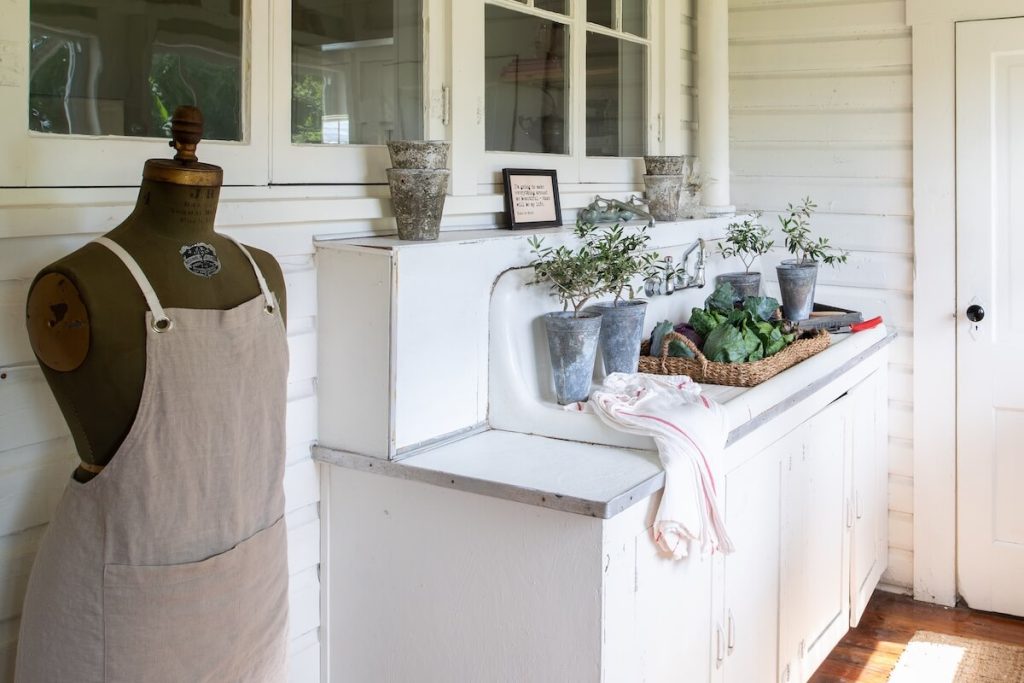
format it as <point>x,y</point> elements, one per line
<point>975,313</point>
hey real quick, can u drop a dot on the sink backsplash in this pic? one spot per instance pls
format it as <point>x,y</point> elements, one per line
<point>419,342</point>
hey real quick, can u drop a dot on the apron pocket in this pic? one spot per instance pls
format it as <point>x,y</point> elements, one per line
<point>222,619</point>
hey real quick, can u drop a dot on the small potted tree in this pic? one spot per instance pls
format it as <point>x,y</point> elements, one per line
<point>798,277</point>
<point>621,258</point>
<point>575,278</point>
<point>746,241</point>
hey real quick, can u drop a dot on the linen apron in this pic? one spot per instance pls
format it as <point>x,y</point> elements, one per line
<point>170,565</point>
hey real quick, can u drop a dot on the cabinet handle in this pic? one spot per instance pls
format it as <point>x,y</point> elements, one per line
<point>732,632</point>
<point>860,507</point>
<point>719,645</point>
<point>849,513</point>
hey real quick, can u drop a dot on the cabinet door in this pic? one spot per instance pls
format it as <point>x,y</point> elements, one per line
<point>814,610</point>
<point>748,650</point>
<point>870,502</point>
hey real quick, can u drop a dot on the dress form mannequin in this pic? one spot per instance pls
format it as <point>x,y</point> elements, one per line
<point>84,310</point>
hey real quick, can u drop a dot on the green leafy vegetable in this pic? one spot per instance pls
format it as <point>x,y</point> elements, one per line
<point>658,336</point>
<point>762,307</point>
<point>725,344</point>
<point>738,335</point>
<point>721,299</point>
<point>678,349</point>
<point>704,321</point>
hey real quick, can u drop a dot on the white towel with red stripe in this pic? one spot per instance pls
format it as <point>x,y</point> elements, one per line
<point>690,431</point>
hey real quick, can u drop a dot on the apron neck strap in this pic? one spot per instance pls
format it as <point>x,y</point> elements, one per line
<point>161,323</point>
<point>268,296</point>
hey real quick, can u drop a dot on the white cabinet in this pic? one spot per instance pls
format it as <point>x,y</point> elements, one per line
<point>745,641</point>
<point>870,476</point>
<point>815,543</point>
<point>808,517</point>
<point>465,563</point>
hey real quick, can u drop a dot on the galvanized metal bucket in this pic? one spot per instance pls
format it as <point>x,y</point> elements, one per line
<point>622,326</point>
<point>796,284</point>
<point>572,343</point>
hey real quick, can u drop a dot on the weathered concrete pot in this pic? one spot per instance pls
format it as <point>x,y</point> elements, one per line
<point>661,165</point>
<point>417,200</point>
<point>424,154</point>
<point>622,327</point>
<point>572,343</point>
<point>744,284</point>
<point>665,195</point>
<point>796,284</point>
<point>691,203</point>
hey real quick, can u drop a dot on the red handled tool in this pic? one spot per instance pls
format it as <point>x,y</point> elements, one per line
<point>860,327</point>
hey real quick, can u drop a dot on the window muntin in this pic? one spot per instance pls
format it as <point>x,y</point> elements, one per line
<point>357,71</point>
<point>121,67</point>
<point>526,82</point>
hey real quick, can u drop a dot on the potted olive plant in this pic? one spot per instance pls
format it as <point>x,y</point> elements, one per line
<point>621,258</point>
<point>746,241</point>
<point>575,278</point>
<point>798,276</point>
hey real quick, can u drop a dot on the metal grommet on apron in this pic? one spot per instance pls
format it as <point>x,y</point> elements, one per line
<point>170,565</point>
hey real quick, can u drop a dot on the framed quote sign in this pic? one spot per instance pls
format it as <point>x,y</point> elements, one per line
<point>531,198</point>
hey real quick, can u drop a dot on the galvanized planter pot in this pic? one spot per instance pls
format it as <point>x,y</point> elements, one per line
<point>796,284</point>
<point>743,284</point>
<point>622,326</point>
<point>572,343</point>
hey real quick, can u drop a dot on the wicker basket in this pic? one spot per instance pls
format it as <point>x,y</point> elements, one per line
<point>731,374</point>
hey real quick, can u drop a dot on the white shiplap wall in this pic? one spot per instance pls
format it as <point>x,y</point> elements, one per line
<point>36,453</point>
<point>39,225</point>
<point>821,106</point>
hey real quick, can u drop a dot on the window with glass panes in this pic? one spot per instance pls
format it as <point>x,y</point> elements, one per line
<point>529,67</point>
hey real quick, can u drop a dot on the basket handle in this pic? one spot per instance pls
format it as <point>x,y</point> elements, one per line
<point>701,358</point>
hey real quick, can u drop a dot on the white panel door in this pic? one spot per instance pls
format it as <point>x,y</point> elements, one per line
<point>816,516</point>
<point>869,466</point>
<point>990,323</point>
<point>749,627</point>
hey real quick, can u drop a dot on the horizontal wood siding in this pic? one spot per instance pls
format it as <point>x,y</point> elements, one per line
<point>38,225</point>
<point>821,107</point>
<point>36,452</point>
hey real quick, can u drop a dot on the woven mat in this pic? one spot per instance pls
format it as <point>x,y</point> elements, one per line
<point>937,658</point>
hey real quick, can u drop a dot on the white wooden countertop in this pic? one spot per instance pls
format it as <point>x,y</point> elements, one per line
<point>603,480</point>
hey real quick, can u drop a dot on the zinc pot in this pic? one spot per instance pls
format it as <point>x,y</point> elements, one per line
<point>422,154</point>
<point>622,326</point>
<point>417,199</point>
<point>796,284</point>
<point>665,196</point>
<point>664,165</point>
<point>743,284</point>
<point>572,343</point>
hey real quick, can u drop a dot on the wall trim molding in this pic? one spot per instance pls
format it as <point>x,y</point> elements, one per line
<point>933,24</point>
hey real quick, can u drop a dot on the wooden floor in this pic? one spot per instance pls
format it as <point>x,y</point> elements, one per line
<point>869,652</point>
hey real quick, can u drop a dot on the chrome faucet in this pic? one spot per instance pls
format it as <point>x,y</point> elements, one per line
<point>674,278</point>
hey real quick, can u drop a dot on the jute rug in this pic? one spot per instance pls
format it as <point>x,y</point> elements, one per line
<point>937,658</point>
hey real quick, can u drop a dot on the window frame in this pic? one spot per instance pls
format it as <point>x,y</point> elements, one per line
<point>348,163</point>
<point>34,159</point>
<point>453,104</point>
<point>576,166</point>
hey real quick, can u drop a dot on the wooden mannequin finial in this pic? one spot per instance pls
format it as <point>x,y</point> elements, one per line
<point>185,168</point>
<point>186,131</point>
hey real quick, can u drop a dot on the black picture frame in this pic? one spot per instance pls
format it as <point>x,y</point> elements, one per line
<point>546,206</point>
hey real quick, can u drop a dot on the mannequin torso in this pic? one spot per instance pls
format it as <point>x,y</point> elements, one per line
<point>86,314</point>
